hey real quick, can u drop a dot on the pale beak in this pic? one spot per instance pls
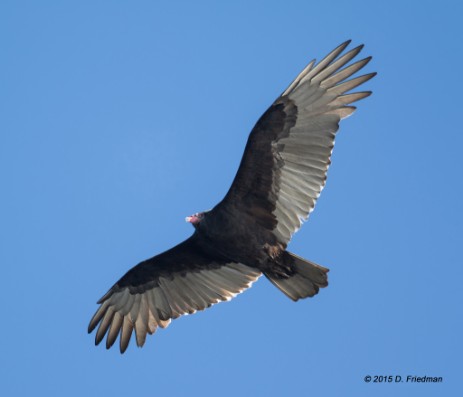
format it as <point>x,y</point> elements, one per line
<point>188,219</point>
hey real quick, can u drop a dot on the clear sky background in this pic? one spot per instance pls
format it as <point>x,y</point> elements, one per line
<point>118,119</point>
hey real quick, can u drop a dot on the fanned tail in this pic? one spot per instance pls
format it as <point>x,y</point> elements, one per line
<point>307,279</point>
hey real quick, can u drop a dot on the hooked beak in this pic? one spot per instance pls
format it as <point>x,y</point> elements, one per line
<point>188,219</point>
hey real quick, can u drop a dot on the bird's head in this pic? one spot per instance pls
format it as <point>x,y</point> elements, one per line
<point>195,219</point>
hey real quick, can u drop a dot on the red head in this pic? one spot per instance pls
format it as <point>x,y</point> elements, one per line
<point>195,219</point>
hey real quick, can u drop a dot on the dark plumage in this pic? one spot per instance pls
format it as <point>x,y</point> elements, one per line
<point>281,175</point>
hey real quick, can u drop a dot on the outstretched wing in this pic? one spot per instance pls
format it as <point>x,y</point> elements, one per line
<point>179,281</point>
<point>286,159</point>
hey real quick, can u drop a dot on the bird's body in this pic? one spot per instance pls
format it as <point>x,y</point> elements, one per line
<point>281,175</point>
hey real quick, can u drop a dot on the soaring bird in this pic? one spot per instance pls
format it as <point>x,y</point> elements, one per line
<point>282,172</point>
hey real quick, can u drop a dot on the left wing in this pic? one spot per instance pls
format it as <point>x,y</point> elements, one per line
<point>179,281</point>
<point>287,156</point>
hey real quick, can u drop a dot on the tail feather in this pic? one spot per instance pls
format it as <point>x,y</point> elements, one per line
<point>307,279</point>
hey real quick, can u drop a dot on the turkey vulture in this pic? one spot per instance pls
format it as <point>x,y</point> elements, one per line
<point>281,175</point>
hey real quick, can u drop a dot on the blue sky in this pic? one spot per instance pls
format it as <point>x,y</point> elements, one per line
<point>118,119</point>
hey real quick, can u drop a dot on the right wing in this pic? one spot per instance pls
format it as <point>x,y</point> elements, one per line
<point>179,281</point>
